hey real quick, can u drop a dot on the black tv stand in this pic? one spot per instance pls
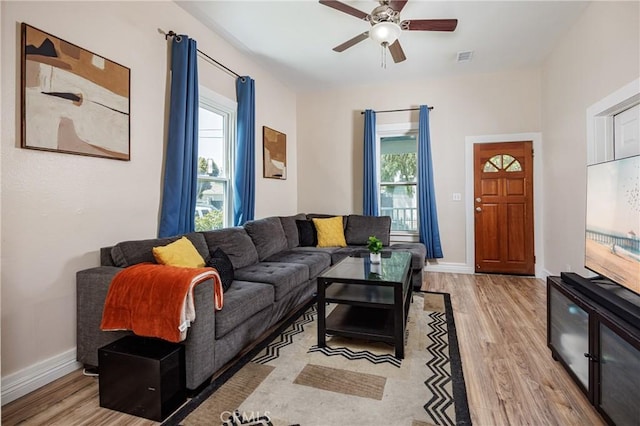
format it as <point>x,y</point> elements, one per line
<point>619,300</point>
<point>599,348</point>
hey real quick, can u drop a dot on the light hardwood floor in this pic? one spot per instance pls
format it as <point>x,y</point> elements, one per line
<point>510,376</point>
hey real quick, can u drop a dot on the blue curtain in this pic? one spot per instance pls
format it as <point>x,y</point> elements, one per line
<point>370,199</point>
<point>245,171</point>
<point>181,161</point>
<point>427,213</point>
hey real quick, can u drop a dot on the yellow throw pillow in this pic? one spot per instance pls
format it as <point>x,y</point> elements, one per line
<point>179,253</point>
<point>330,232</point>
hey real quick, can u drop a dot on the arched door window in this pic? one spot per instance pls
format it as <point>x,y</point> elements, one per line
<point>504,162</point>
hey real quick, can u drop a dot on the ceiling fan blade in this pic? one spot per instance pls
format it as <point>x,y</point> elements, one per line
<point>347,44</point>
<point>344,8</point>
<point>396,52</point>
<point>429,24</point>
<point>397,5</point>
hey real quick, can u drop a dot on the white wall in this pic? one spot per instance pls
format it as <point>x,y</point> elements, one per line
<point>330,134</point>
<point>59,209</point>
<point>599,55</point>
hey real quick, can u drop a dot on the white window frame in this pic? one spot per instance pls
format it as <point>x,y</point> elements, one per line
<point>600,138</point>
<point>391,130</point>
<point>212,101</point>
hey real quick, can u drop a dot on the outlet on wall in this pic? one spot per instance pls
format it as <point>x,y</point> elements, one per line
<point>567,268</point>
<point>457,196</point>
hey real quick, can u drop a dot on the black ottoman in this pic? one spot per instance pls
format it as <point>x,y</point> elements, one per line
<point>143,377</point>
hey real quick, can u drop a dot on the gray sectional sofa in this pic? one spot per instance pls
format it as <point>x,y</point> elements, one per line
<point>273,275</point>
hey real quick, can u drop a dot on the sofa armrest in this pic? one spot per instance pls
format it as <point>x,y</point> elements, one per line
<point>418,253</point>
<point>200,342</point>
<point>92,286</point>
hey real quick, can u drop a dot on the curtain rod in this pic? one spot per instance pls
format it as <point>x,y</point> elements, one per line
<point>171,33</point>
<point>398,110</point>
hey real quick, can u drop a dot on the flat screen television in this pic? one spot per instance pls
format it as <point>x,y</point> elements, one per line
<point>612,237</point>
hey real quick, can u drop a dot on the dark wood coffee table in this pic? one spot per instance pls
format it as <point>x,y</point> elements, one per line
<point>372,300</point>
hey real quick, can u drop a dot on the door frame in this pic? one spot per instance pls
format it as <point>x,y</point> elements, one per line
<point>538,200</point>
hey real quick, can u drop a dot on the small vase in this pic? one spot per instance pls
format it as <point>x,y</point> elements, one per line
<point>374,257</point>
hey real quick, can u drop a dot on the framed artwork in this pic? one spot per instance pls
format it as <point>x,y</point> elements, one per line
<point>275,153</point>
<point>73,101</point>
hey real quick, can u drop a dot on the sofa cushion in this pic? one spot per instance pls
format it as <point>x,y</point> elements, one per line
<point>221,262</point>
<point>307,235</point>
<point>267,235</point>
<point>360,228</point>
<point>330,232</point>
<point>290,229</point>
<point>235,242</point>
<point>418,253</point>
<point>242,301</point>
<point>178,253</point>
<point>315,261</point>
<point>283,276</point>
<point>129,253</point>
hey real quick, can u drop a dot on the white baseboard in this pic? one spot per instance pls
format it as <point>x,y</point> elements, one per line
<point>27,380</point>
<point>452,268</point>
<point>546,273</point>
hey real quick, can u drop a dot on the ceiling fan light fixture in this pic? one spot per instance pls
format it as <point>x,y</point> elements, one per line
<point>385,32</point>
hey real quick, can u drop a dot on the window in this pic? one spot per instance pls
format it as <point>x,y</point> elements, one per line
<point>602,126</point>
<point>216,139</point>
<point>398,180</point>
<point>502,162</point>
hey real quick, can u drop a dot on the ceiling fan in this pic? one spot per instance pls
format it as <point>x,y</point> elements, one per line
<point>386,25</point>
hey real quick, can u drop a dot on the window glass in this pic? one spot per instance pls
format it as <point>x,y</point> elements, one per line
<point>398,177</point>
<point>497,160</point>
<point>514,167</point>
<point>507,160</point>
<point>489,167</point>
<point>215,139</point>
<point>502,161</point>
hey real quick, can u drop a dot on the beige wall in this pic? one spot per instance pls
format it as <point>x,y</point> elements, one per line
<point>599,55</point>
<point>59,209</point>
<point>330,138</point>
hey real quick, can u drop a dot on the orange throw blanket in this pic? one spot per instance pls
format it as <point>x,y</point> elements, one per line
<point>156,300</point>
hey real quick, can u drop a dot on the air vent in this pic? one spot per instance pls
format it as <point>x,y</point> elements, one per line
<point>465,56</point>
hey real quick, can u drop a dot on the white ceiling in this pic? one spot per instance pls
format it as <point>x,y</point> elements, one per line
<point>294,39</point>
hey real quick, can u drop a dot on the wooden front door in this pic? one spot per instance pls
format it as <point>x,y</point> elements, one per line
<point>503,203</point>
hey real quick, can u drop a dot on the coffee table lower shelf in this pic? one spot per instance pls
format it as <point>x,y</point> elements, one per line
<point>361,322</point>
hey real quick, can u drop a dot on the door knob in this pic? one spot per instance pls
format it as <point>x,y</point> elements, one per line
<point>478,209</point>
<point>478,200</point>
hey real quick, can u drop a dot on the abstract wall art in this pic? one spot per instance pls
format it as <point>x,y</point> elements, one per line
<point>275,153</point>
<point>73,101</point>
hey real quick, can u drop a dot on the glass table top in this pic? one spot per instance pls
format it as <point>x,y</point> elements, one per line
<point>392,268</point>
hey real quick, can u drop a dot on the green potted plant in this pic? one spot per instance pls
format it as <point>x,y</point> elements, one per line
<point>375,247</point>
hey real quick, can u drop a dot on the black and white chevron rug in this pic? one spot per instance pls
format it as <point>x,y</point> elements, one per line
<point>288,380</point>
